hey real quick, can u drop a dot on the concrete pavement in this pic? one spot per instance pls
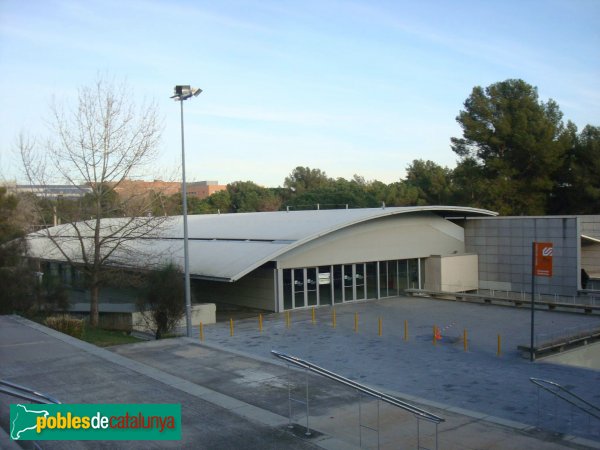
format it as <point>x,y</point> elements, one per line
<point>476,382</point>
<point>234,395</point>
<point>76,372</point>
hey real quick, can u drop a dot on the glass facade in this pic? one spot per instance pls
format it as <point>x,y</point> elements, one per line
<point>327,285</point>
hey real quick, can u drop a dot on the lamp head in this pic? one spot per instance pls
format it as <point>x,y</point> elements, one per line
<point>185,91</point>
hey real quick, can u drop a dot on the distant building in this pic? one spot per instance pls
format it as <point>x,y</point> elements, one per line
<point>53,191</point>
<point>130,188</point>
<point>203,189</point>
<point>126,188</point>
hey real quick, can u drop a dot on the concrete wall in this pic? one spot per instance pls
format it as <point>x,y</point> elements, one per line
<point>388,238</point>
<point>255,290</point>
<point>504,248</point>
<point>205,313</point>
<point>590,251</point>
<point>454,273</point>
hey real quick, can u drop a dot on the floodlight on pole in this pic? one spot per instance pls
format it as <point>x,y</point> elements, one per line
<point>183,92</point>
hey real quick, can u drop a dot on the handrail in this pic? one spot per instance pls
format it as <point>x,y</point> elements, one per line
<point>540,383</point>
<point>16,390</point>
<point>420,413</point>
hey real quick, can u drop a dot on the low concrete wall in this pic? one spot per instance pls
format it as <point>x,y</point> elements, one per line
<point>203,312</point>
<point>130,321</point>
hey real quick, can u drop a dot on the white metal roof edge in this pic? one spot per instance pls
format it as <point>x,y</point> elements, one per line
<point>391,211</point>
<point>590,238</point>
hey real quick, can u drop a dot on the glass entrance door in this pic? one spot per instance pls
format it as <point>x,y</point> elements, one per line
<point>311,286</point>
<point>348,283</point>
<point>359,278</point>
<point>338,284</point>
<point>325,285</point>
<point>298,288</point>
<point>371,280</point>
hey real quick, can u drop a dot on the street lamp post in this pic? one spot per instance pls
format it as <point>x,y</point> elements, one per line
<point>183,92</point>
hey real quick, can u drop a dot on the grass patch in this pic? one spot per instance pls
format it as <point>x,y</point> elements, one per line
<point>106,338</point>
<point>96,336</point>
<point>66,324</point>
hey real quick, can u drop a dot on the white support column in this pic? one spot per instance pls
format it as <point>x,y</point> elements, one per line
<point>278,290</point>
<point>318,286</point>
<point>378,282</point>
<point>305,273</point>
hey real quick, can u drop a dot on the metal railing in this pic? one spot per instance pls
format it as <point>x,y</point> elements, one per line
<point>585,298</point>
<point>563,421</point>
<point>566,334</point>
<point>25,393</point>
<point>30,395</point>
<point>420,414</point>
<point>589,298</point>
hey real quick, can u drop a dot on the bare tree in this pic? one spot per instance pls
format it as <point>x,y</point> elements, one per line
<point>96,145</point>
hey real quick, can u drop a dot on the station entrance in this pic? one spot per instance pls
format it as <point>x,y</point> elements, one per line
<point>328,285</point>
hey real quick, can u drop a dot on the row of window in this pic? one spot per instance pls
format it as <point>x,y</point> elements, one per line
<point>327,285</point>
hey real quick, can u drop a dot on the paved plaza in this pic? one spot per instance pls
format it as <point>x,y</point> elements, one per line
<point>234,394</point>
<point>476,381</point>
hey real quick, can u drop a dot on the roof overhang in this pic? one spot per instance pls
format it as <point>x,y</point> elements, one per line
<point>587,238</point>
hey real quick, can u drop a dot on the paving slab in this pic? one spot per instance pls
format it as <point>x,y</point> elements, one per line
<point>334,409</point>
<point>232,398</point>
<point>476,381</point>
<point>76,372</point>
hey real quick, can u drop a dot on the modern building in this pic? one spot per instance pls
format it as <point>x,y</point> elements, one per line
<point>282,260</point>
<point>504,246</point>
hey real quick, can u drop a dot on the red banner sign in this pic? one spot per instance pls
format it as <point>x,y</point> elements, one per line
<point>543,259</point>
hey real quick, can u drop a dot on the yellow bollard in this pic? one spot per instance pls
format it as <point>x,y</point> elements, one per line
<point>313,315</point>
<point>230,327</point>
<point>201,332</point>
<point>406,330</point>
<point>260,328</point>
<point>380,326</point>
<point>287,319</point>
<point>356,322</point>
<point>465,340</point>
<point>499,352</point>
<point>333,318</point>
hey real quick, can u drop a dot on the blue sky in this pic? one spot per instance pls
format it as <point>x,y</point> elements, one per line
<point>349,87</point>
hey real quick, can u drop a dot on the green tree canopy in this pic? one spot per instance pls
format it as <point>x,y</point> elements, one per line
<point>304,179</point>
<point>432,182</point>
<point>16,279</point>
<point>247,196</point>
<point>578,191</point>
<point>516,141</point>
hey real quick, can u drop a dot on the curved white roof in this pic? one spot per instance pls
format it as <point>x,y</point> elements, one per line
<point>226,247</point>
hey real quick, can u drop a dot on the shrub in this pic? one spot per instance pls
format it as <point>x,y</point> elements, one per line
<point>163,303</point>
<point>66,324</point>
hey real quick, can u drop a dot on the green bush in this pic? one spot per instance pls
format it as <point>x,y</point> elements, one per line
<point>162,304</point>
<point>66,324</point>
